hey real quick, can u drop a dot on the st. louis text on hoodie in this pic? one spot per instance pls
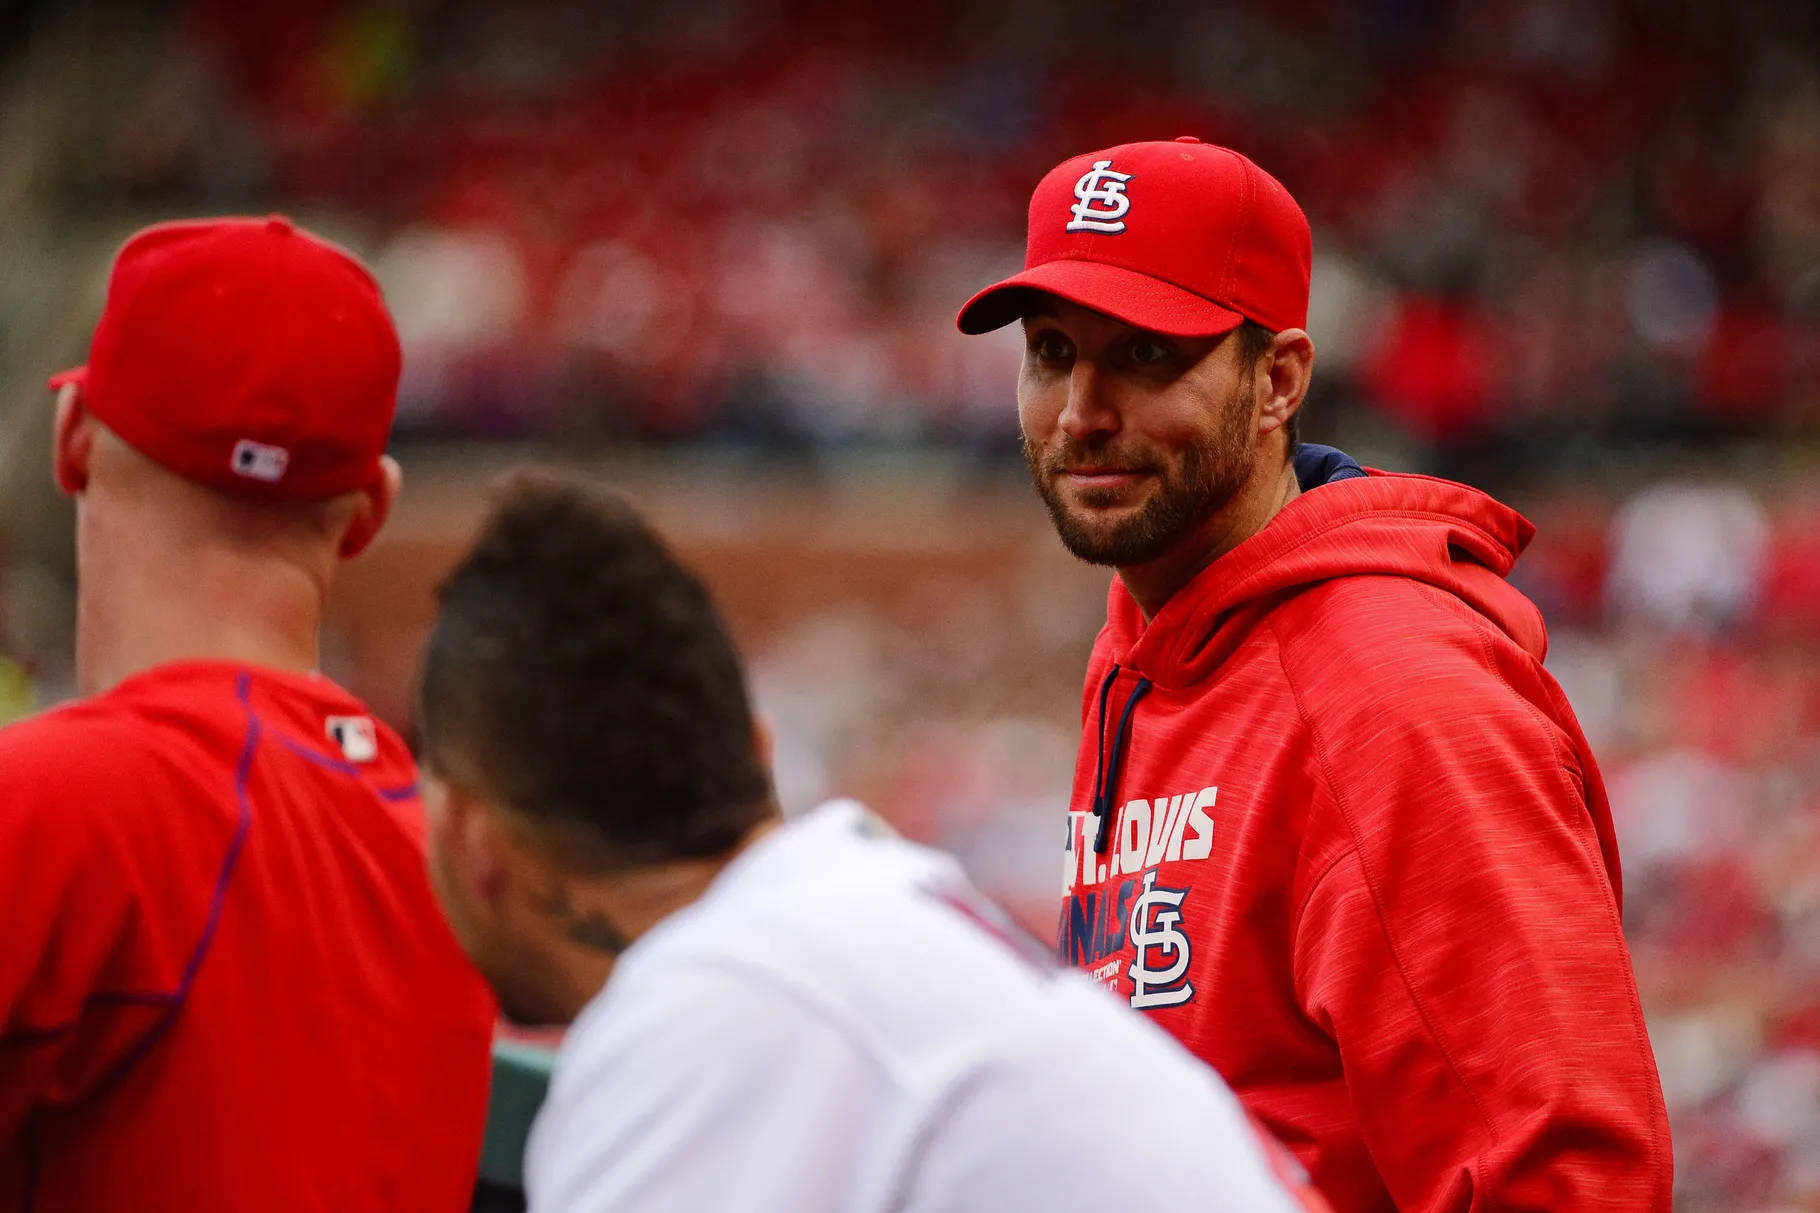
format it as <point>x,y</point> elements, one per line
<point>1336,829</point>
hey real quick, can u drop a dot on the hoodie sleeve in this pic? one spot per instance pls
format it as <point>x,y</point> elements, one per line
<point>1464,950</point>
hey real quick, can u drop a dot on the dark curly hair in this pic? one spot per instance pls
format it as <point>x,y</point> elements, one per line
<point>580,677</point>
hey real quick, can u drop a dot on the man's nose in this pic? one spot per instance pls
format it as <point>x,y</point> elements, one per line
<point>1089,412</point>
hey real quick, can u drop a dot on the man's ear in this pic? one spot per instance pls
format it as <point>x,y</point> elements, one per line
<point>375,507</point>
<point>1284,373</point>
<point>73,440</point>
<point>467,840</point>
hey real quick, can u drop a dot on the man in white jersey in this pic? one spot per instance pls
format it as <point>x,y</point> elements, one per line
<point>802,1016</point>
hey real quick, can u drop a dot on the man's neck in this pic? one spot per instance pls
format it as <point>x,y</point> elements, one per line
<point>139,610</point>
<point>598,919</point>
<point>1251,509</point>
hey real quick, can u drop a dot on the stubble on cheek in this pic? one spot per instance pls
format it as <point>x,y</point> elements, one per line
<point>1183,489</point>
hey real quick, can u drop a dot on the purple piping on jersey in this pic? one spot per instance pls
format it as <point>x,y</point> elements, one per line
<point>407,791</point>
<point>242,691</point>
<point>156,998</point>
<point>35,1036</point>
<point>173,1001</point>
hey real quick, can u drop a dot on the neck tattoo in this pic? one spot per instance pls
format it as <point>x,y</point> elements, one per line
<point>587,927</point>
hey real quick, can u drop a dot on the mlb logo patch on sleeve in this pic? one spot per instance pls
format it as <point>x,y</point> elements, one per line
<point>358,739</point>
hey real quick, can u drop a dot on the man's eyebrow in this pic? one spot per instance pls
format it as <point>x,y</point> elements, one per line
<point>1038,313</point>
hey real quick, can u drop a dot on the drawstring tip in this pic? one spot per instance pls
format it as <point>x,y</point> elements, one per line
<point>1103,834</point>
<point>1106,782</point>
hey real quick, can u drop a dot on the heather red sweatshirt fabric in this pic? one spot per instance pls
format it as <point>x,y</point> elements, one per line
<point>1361,861</point>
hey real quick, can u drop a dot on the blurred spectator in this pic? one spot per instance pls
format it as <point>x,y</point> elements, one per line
<point>756,220</point>
<point>1687,556</point>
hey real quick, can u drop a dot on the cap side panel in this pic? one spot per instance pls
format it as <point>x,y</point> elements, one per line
<point>1240,227</point>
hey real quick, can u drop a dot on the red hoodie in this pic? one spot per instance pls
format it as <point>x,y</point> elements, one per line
<point>1362,861</point>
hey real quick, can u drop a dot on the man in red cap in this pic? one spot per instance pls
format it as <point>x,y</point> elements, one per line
<point>225,983</point>
<point>1333,824</point>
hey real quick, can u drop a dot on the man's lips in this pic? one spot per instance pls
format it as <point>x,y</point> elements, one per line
<point>1103,477</point>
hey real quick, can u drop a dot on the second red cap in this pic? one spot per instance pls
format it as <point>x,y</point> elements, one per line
<point>248,355</point>
<point>1179,237</point>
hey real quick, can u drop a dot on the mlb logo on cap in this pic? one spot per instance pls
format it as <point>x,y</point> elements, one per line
<point>247,355</point>
<point>260,461</point>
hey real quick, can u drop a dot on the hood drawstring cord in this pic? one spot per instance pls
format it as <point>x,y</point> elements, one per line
<point>1106,770</point>
<point>1099,762</point>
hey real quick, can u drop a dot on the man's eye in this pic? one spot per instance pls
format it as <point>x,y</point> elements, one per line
<point>1149,353</point>
<point>1051,347</point>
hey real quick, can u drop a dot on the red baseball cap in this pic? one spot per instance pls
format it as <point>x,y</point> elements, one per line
<point>247,355</point>
<point>1179,237</point>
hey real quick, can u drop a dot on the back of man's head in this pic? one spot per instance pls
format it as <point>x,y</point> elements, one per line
<point>580,679</point>
<point>226,444</point>
<point>246,356</point>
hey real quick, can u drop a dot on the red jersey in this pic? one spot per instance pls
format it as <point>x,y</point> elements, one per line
<point>1358,858</point>
<point>226,983</point>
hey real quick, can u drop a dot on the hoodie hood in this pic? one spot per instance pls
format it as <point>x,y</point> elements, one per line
<point>1348,522</point>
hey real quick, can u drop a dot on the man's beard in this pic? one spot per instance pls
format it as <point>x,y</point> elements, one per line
<point>1204,477</point>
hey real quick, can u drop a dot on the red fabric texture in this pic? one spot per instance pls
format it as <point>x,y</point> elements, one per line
<point>226,984</point>
<point>1362,861</point>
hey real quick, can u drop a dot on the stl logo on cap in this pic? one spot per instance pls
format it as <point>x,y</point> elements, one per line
<point>1103,203</point>
<point>1219,241</point>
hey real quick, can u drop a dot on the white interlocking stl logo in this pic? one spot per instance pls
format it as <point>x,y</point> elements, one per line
<point>1103,203</point>
<point>1155,919</point>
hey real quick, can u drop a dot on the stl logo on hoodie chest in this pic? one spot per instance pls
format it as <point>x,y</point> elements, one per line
<point>1115,902</point>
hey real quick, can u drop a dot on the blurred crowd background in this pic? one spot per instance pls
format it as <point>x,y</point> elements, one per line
<point>1566,250</point>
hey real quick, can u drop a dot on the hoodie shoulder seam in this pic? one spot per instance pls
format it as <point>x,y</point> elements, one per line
<point>1338,796</point>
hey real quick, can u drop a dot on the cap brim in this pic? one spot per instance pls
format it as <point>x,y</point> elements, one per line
<point>76,374</point>
<point>1126,295</point>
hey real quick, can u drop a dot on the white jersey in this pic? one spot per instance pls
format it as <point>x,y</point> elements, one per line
<point>840,1023</point>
